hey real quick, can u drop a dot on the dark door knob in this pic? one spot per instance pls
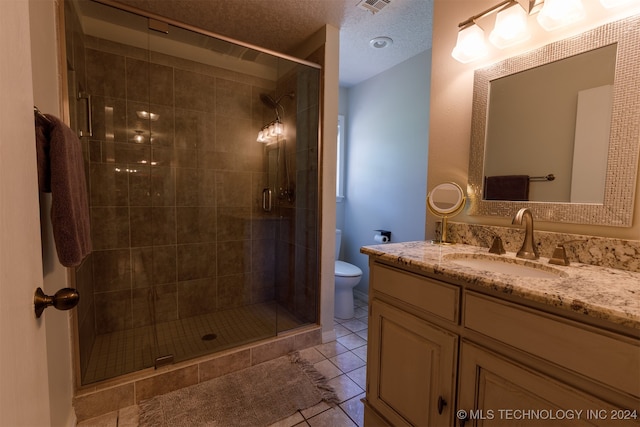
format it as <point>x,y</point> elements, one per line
<point>64,299</point>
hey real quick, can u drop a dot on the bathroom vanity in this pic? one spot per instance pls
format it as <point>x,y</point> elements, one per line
<point>458,336</point>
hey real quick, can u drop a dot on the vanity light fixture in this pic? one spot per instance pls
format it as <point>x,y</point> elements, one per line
<point>511,24</point>
<point>511,27</point>
<point>615,3</point>
<point>470,45</point>
<point>559,13</point>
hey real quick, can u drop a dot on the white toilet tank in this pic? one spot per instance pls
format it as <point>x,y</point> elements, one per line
<point>338,241</point>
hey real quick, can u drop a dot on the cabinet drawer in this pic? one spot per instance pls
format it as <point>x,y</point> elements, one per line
<point>432,296</point>
<point>605,357</point>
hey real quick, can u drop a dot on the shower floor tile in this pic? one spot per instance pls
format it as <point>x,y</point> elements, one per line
<point>122,352</point>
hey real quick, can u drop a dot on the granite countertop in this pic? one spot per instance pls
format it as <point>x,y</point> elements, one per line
<point>599,292</point>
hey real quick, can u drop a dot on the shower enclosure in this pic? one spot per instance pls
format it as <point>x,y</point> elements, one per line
<point>204,238</point>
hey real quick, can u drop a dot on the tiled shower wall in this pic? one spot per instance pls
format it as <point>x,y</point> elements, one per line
<point>178,212</point>
<point>297,243</point>
<point>177,224</point>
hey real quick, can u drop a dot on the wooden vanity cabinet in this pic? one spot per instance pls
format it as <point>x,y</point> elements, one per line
<point>495,391</point>
<point>436,349</point>
<point>412,358</point>
<point>412,370</point>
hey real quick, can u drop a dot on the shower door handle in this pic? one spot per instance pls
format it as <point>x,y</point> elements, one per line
<point>267,199</point>
<point>89,131</point>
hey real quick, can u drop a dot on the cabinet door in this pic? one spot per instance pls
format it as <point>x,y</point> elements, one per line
<point>496,392</point>
<point>410,369</point>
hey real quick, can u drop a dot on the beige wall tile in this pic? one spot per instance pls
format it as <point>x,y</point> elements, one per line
<point>225,364</point>
<point>103,401</point>
<point>166,382</point>
<point>272,350</point>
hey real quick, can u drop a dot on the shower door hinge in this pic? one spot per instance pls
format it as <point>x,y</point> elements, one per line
<point>159,26</point>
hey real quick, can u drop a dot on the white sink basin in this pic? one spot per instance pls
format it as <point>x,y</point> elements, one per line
<point>513,267</point>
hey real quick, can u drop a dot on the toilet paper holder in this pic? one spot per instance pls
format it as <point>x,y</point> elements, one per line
<point>385,236</point>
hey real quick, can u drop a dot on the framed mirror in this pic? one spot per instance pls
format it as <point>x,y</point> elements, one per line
<point>563,152</point>
<point>446,200</point>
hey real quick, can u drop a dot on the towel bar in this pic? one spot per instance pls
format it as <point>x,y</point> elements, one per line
<point>37,112</point>
<point>549,177</point>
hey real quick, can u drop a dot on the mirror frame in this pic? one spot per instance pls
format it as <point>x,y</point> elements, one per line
<point>624,138</point>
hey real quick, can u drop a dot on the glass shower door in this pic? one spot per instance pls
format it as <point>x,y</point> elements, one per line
<point>186,259</point>
<point>207,152</point>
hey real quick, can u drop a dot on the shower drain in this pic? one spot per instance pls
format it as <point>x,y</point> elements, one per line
<point>209,337</point>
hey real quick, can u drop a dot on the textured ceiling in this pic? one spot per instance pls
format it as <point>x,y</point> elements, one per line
<point>281,25</point>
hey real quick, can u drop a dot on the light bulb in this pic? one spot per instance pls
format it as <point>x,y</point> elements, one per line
<point>138,137</point>
<point>279,128</point>
<point>559,13</point>
<point>510,28</point>
<point>615,3</point>
<point>470,45</point>
<point>147,115</point>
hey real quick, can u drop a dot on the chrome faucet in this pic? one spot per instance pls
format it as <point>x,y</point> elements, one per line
<point>528,249</point>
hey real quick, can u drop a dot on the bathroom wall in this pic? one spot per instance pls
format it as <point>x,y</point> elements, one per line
<point>450,108</point>
<point>386,158</point>
<point>343,110</point>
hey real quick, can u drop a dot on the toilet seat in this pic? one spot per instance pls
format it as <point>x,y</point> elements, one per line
<point>344,269</point>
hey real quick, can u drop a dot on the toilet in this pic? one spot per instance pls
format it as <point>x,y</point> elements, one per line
<point>347,276</point>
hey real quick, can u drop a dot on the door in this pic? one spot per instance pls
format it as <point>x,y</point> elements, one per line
<point>411,373</point>
<point>24,390</point>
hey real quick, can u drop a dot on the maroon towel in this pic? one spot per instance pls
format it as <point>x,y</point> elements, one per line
<point>61,173</point>
<point>506,187</point>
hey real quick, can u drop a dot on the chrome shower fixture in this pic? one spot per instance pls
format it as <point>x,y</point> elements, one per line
<point>275,104</point>
<point>268,101</point>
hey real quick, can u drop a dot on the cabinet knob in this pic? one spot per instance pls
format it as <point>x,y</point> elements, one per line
<point>441,404</point>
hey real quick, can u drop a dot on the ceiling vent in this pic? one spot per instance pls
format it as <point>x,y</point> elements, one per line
<point>373,6</point>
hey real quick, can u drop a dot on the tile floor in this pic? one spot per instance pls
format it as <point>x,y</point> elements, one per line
<point>343,362</point>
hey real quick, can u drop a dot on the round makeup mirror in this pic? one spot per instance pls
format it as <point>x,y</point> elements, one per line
<point>446,200</point>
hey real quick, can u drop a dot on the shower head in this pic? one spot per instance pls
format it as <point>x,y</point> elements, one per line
<point>274,103</point>
<point>268,101</point>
